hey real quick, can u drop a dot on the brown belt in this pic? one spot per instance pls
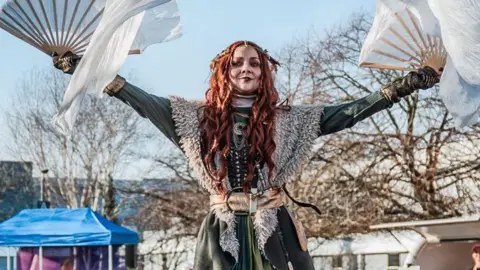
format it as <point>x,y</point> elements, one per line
<point>242,203</point>
<point>249,203</point>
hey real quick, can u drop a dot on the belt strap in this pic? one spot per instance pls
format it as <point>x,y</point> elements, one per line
<point>249,203</point>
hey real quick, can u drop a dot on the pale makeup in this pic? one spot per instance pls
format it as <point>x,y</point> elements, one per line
<point>476,257</point>
<point>245,71</point>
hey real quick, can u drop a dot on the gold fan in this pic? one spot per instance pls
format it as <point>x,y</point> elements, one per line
<point>53,26</point>
<point>406,47</point>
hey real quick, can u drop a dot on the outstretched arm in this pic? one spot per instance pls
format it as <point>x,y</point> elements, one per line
<point>157,109</point>
<point>339,117</point>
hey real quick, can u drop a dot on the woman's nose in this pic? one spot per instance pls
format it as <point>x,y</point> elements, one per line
<point>246,68</point>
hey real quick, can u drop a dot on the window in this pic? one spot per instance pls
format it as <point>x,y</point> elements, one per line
<point>337,262</point>
<point>3,262</point>
<point>393,261</point>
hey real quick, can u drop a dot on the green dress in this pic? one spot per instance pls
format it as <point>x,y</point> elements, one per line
<point>250,256</point>
<point>283,246</point>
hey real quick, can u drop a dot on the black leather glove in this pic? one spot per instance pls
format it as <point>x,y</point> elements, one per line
<point>67,62</point>
<point>424,78</point>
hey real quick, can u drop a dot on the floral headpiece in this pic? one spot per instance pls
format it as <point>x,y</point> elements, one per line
<point>226,51</point>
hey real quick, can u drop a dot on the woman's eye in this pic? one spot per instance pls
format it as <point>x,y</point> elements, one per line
<point>255,64</point>
<point>236,63</point>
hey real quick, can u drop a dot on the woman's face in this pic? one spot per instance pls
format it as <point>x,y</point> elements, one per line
<point>476,255</point>
<point>245,71</point>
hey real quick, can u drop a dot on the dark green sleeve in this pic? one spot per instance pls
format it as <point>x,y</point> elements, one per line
<point>157,109</point>
<point>338,117</point>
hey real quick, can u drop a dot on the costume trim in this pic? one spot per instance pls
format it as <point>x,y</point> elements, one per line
<point>228,239</point>
<point>264,224</point>
<point>295,133</point>
<point>185,116</point>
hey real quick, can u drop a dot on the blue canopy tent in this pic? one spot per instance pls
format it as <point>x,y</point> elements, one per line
<point>60,227</point>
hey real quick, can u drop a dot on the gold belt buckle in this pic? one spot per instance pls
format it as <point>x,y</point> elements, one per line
<point>253,201</point>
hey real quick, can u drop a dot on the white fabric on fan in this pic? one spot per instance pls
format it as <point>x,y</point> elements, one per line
<point>460,85</point>
<point>422,11</point>
<point>382,21</point>
<point>460,26</point>
<point>385,19</point>
<point>125,25</point>
<point>457,22</point>
<point>461,98</point>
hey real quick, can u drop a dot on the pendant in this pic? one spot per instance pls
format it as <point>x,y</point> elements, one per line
<point>238,138</point>
<point>238,127</point>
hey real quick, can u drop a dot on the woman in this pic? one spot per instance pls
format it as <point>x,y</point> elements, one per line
<point>244,147</point>
<point>475,256</point>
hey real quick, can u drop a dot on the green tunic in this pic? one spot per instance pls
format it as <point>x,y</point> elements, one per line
<point>209,254</point>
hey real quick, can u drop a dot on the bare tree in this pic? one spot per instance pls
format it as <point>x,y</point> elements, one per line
<point>169,217</point>
<point>169,211</point>
<point>105,134</point>
<point>167,250</point>
<point>171,198</point>
<point>176,203</point>
<point>110,205</point>
<point>407,162</point>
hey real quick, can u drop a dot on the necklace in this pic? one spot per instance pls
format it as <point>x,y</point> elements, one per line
<point>238,138</point>
<point>242,114</point>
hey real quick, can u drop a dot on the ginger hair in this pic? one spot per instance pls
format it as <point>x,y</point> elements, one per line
<point>217,123</point>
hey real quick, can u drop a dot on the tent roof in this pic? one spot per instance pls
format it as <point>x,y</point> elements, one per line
<point>63,227</point>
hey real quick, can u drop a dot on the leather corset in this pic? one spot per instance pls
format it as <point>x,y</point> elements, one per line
<point>238,167</point>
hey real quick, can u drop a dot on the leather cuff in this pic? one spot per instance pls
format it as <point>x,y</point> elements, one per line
<point>390,92</point>
<point>115,86</point>
<point>399,88</point>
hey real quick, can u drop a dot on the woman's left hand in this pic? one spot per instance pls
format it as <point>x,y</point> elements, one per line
<point>424,78</point>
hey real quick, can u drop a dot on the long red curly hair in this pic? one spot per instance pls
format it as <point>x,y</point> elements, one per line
<point>217,122</point>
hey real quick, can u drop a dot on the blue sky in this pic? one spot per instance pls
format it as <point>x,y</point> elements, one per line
<point>181,66</point>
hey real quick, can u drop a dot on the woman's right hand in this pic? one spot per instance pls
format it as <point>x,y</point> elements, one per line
<point>67,62</point>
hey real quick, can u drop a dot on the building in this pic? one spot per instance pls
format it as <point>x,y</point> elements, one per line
<point>16,187</point>
<point>373,251</point>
